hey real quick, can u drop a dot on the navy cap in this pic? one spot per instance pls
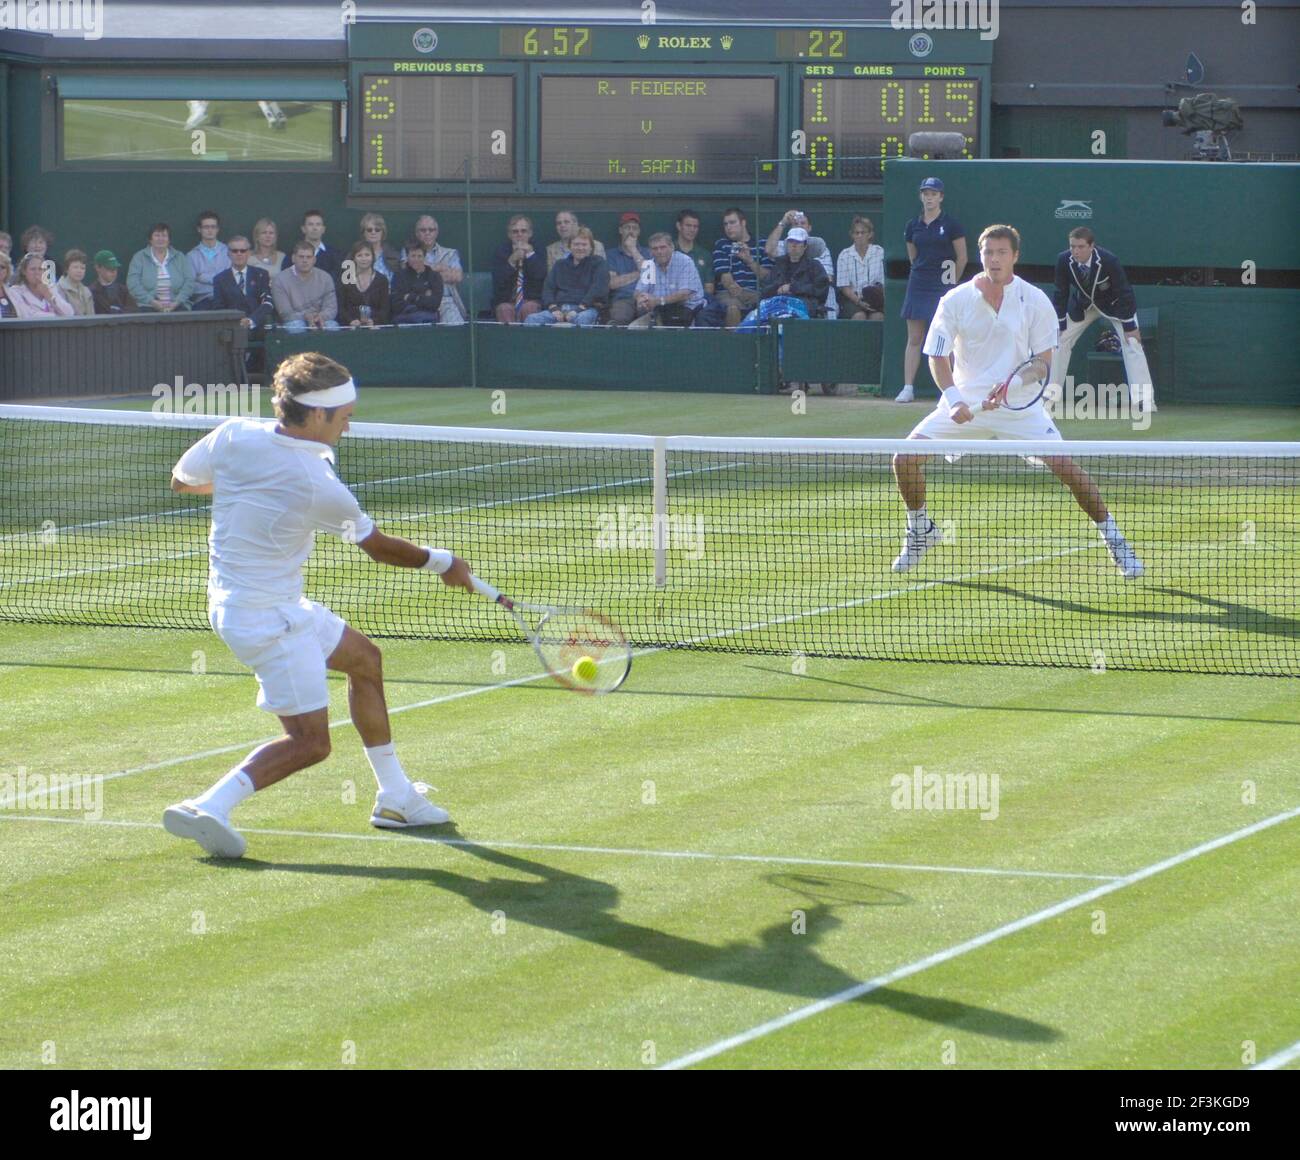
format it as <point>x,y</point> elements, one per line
<point>932,183</point>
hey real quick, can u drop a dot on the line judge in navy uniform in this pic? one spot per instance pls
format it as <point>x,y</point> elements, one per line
<point>933,239</point>
<point>1091,284</point>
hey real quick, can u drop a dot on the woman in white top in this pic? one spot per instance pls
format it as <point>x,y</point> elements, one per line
<point>264,252</point>
<point>860,274</point>
<point>34,297</point>
<point>7,307</point>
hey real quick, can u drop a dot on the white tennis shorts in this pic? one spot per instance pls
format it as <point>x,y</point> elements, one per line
<point>286,647</point>
<point>1032,423</point>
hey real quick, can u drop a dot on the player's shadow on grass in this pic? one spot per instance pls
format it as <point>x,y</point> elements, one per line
<point>584,908</point>
<point>1219,613</point>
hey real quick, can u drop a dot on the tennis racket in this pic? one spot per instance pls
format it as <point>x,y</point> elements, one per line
<point>1022,396</point>
<point>582,649</point>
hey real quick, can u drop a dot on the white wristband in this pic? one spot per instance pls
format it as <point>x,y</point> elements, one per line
<point>952,396</point>
<point>439,560</point>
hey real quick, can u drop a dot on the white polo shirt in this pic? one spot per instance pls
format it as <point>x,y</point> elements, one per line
<point>272,493</point>
<point>988,346</point>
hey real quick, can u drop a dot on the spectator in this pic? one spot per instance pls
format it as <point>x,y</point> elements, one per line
<point>303,295</point>
<point>625,266</point>
<point>36,240</point>
<point>798,274</point>
<point>567,226</point>
<point>417,289</point>
<point>313,231</point>
<point>159,277</point>
<point>669,291</point>
<point>518,273</point>
<point>445,262</point>
<point>33,296</point>
<point>109,295</point>
<point>6,243</point>
<point>207,259</point>
<point>737,269</point>
<point>817,249</point>
<point>265,255</point>
<point>577,287</point>
<point>244,287</point>
<point>375,231</point>
<point>688,231</point>
<point>7,307</point>
<point>73,284</point>
<point>936,248</point>
<point>860,274</point>
<point>363,296</point>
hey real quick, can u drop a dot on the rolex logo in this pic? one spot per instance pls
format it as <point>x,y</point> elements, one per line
<point>643,40</point>
<point>727,42</point>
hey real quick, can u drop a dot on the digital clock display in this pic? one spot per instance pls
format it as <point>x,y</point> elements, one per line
<point>429,128</point>
<point>873,117</point>
<point>559,42</point>
<point>673,128</point>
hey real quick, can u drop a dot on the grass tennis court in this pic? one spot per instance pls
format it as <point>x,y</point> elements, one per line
<point>629,874</point>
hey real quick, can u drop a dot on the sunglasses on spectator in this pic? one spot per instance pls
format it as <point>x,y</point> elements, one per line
<point>239,250</point>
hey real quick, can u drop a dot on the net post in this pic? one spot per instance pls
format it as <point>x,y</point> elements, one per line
<point>660,473</point>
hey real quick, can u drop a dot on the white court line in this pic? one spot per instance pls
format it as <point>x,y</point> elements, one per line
<point>973,944</point>
<point>1278,1060</point>
<point>629,852</point>
<point>477,689</point>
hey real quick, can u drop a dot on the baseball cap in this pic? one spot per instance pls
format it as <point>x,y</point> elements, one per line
<point>630,216</point>
<point>798,234</point>
<point>107,259</point>
<point>932,183</point>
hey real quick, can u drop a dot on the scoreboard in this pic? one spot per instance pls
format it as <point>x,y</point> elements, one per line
<point>647,108</point>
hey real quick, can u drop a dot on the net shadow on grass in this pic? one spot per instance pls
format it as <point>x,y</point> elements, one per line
<point>577,906</point>
<point>1227,615</point>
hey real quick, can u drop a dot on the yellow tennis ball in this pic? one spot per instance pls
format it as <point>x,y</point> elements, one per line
<point>585,669</point>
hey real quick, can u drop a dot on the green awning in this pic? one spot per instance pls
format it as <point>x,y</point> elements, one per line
<point>83,86</point>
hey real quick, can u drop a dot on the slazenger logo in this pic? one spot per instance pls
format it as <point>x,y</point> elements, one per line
<point>1073,209</point>
<point>102,1114</point>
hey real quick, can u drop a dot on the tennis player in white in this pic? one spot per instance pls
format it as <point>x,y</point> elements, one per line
<point>990,326</point>
<point>272,489</point>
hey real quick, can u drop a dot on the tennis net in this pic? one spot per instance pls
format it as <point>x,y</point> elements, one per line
<point>743,545</point>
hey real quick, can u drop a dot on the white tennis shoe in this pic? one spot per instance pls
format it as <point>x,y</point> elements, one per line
<point>393,812</point>
<point>214,833</point>
<point>915,545</point>
<point>198,114</point>
<point>906,395</point>
<point>1130,567</point>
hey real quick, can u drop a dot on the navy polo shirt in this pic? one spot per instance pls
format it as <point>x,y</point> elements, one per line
<point>933,242</point>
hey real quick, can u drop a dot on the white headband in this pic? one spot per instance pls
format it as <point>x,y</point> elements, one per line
<point>330,397</point>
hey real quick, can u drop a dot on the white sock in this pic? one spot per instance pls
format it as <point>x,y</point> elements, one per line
<point>226,794</point>
<point>918,521</point>
<point>388,770</point>
<point>1110,531</point>
<point>907,386</point>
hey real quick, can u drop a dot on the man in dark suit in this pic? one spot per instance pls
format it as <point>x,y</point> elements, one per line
<point>313,230</point>
<point>1091,284</point>
<point>246,288</point>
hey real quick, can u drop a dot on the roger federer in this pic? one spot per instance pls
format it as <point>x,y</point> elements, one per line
<point>989,326</point>
<point>272,490</point>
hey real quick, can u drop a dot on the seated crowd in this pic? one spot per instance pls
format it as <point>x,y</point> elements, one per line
<point>573,281</point>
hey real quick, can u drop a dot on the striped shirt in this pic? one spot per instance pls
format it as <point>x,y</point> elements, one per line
<point>852,271</point>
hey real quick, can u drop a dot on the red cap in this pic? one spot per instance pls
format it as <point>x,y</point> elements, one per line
<point>630,216</point>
